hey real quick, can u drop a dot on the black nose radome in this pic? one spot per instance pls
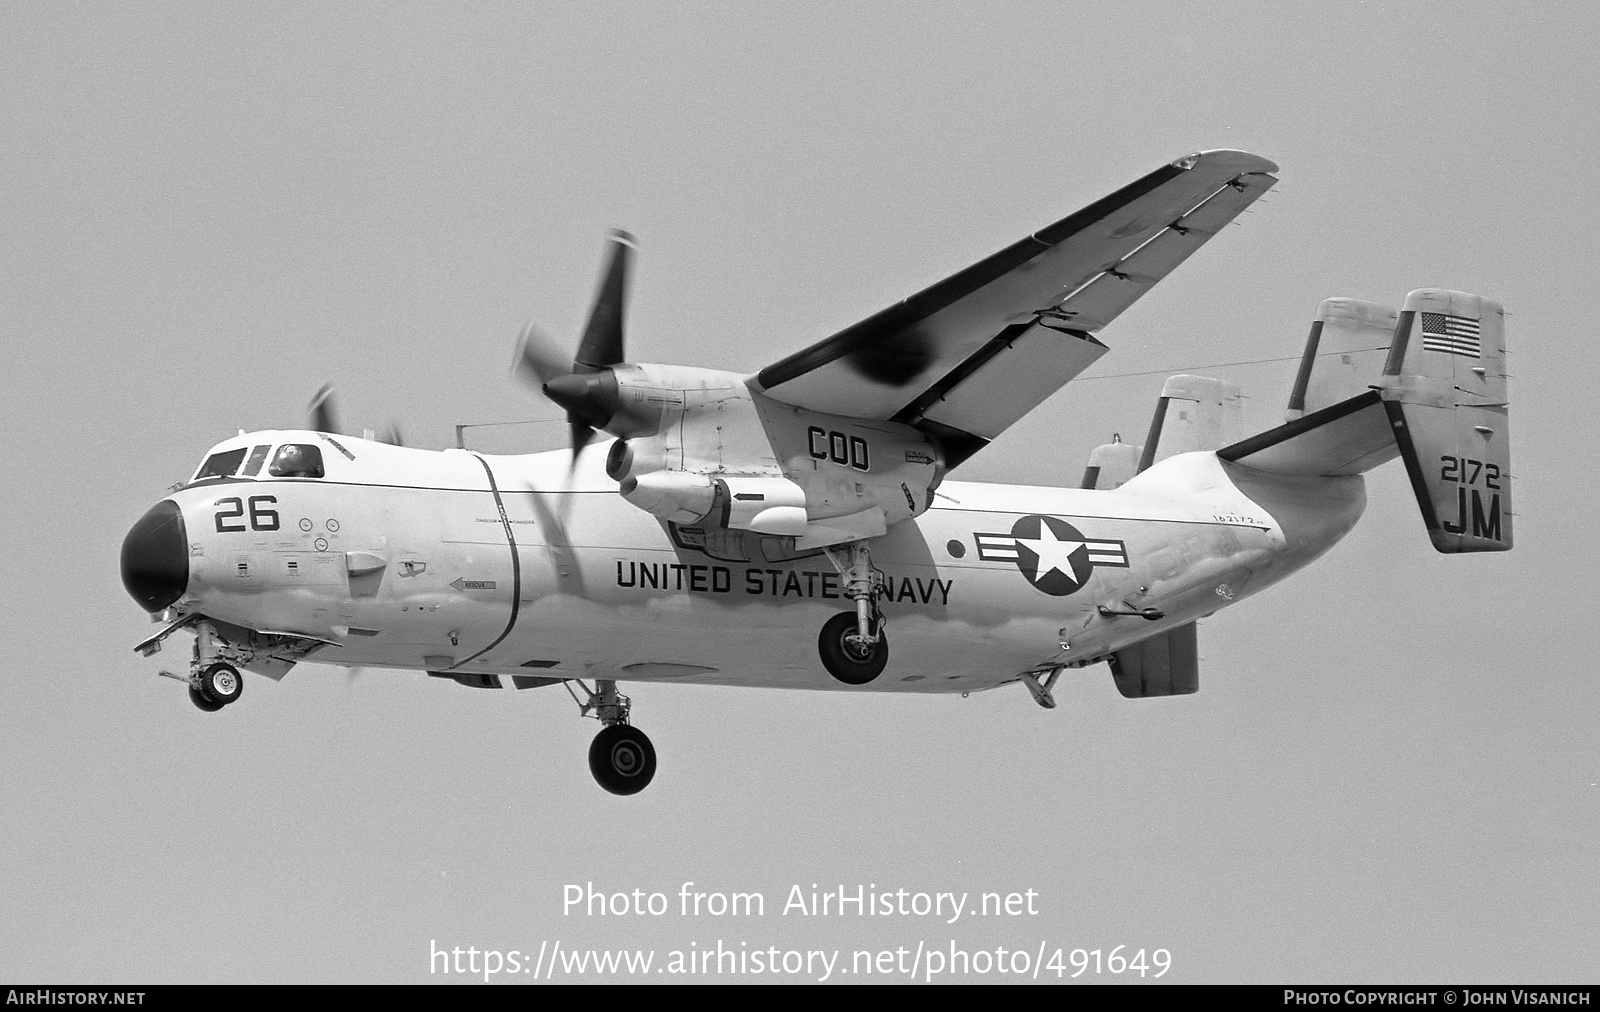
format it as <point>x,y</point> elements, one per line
<point>155,557</point>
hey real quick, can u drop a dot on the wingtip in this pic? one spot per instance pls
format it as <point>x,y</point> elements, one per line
<point>1243,161</point>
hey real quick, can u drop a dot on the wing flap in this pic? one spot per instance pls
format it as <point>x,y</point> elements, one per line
<point>1019,375</point>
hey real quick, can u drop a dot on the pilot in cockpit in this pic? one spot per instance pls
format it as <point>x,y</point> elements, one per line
<point>296,461</point>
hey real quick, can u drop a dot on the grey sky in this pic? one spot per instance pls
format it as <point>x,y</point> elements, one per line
<point>1389,774</point>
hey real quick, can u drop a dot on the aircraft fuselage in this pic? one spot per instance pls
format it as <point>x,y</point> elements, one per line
<point>465,563</point>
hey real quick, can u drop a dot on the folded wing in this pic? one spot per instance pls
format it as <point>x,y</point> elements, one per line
<point>966,358</point>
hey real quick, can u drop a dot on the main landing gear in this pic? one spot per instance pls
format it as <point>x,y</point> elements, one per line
<point>621,757</point>
<point>853,645</point>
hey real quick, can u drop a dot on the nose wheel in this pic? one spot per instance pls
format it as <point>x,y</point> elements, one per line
<point>205,703</point>
<point>621,757</point>
<point>220,683</point>
<point>215,686</point>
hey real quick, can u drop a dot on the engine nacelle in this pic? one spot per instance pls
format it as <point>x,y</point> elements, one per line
<point>766,504</point>
<point>641,399</point>
<point>700,447</point>
<point>680,497</point>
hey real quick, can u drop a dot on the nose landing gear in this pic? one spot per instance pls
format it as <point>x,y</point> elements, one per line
<point>621,757</point>
<point>213,682</point>
<point>212,686</point>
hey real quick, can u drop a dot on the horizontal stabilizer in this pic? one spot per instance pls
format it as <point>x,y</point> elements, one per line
<point>1351,437</point>
<point>1163,665</point>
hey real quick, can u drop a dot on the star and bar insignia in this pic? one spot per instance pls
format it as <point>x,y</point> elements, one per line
<point>1054,555</point>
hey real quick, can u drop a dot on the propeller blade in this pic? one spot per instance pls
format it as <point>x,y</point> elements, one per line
<point>321,414</point>
<point>602,338</point>
<point>391,435</point>
<point>587,389</point>
<point>538,360</point>
<point>581,434</point>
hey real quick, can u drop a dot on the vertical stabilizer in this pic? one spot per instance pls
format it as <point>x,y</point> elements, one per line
<point>1167,664</point>
<point>1111,464</point>
<point>1444,389</point>
<point>1344,354</point>
<point>1194,413</point>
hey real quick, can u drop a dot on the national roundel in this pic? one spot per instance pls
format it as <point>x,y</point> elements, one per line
<point>1052,554</point>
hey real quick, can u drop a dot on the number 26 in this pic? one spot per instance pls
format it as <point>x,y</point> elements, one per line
<point>234,509</point>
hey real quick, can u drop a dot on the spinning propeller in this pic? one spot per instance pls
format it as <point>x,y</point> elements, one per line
<point>587,389</point>
<point>321,416</point>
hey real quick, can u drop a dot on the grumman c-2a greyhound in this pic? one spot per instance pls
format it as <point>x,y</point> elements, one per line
<point>779,529</point>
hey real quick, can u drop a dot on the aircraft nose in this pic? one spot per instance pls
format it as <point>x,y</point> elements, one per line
<point>155,557</point>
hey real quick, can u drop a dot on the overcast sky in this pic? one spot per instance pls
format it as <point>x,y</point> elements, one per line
<point>1390,773</point>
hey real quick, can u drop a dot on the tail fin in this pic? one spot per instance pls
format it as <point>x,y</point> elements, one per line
<point>1194,413</point>
<point>1166,664</point>
<point>1346,348</point>
<point>1440,404</point>
<point>1444,388</point>
<point>1111,464</point>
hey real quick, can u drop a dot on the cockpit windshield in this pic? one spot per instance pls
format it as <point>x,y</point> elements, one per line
<point>221,465</point>
<point>258,456</point>
<point>296,460</point>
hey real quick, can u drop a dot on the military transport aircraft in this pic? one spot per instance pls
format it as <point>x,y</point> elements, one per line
<point>781,529</point>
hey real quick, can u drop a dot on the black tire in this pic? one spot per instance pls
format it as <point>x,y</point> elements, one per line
<point>844,662</point>
<point>622,759</point>
<point>208,705</point>
<point>221,683</point>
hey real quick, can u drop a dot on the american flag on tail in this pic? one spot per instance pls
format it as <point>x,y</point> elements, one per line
<point>1453,335</point>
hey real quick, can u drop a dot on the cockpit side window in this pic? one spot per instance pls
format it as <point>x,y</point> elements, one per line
<point>296,460</point>
<point>220,465</point>
<point>258,456</point>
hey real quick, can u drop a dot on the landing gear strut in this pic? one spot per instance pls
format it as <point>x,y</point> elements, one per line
<point>621,757</point>
<point>853,645</point>
<point>213,681</point>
